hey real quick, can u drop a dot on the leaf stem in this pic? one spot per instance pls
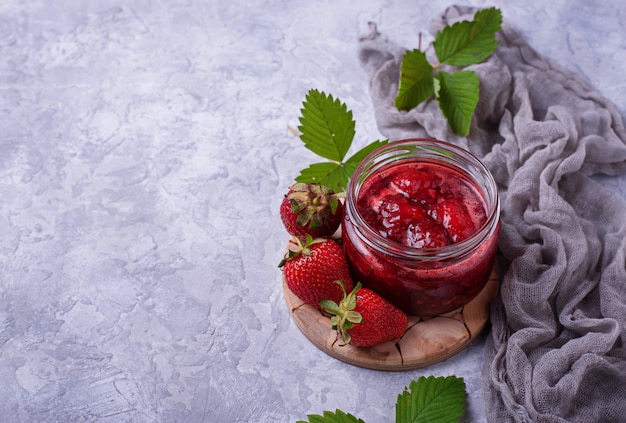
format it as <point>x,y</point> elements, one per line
<point>293,131</point>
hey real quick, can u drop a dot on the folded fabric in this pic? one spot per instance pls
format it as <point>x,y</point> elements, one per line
<point>557,347</point>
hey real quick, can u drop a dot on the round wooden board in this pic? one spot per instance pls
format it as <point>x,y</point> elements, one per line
<point>426,341</point>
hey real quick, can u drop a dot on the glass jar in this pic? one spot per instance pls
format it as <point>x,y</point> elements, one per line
<point>426,281</point>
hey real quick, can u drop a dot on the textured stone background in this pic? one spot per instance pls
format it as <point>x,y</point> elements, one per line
<point>144,152</point>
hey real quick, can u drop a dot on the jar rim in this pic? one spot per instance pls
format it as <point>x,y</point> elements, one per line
<point>433,149</point>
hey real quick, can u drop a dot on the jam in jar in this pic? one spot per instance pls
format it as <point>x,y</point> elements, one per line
<point>421,225</point>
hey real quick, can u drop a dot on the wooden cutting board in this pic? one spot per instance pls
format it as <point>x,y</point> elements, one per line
<point>426,341</point>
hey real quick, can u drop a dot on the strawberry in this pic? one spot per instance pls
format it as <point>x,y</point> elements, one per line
<point>364,319</point>
<point>407,222</point>
<point>312,270</point>
<point>454,217</point>
<point>311,209</point>
<point>419,184</point>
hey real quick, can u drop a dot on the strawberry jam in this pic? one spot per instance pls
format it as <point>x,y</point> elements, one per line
<point>421,225</point>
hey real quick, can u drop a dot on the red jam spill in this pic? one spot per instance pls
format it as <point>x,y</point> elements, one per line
<point>421,205</point>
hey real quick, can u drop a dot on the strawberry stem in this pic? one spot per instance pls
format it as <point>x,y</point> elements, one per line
<point>343,315</point>
<point>304,249</point>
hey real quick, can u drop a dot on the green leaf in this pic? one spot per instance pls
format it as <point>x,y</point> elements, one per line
<point>354,317</point>
<point>336,175</point>
<point>326,126</point>
<point>461,44</point>
<point>432,400</point>
<point>457,95</point>
<point>352,163</point>
<point>330,417</point>
<point>330,174</point>
<point>416,80</point>
<point>329,305</point>
<point>469,42</point>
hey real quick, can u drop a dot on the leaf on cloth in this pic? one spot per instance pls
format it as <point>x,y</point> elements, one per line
<point>469,42</point>
<point>416,80</point>
<point>457,94</point>
<point>461,44</point>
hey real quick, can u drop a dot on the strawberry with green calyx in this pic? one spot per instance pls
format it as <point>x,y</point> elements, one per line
<point>364,319</point>
<point>311,209</point>
<point>312,269</point>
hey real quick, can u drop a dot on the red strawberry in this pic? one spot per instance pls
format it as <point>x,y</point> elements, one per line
<point>407,222</point>
<point>311,209</point>
<point>455,219</point>
<point>312,270</point>
<point>364,318</point>
<point>420,185</point>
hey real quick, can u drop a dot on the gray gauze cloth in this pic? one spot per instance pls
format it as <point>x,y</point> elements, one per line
<point>557,347</point>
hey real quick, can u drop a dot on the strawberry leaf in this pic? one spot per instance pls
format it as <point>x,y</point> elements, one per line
<point>330,417</point>
<point>327,129</point>
<point>332,175</point>
<point>461,44</point>
<point>432,400</point>
<point>457,94</point>
<point>352,163</point>
<point>416,80</point>
<point>326,126</point>
<point>336,175</point>
<point>469,42</point>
